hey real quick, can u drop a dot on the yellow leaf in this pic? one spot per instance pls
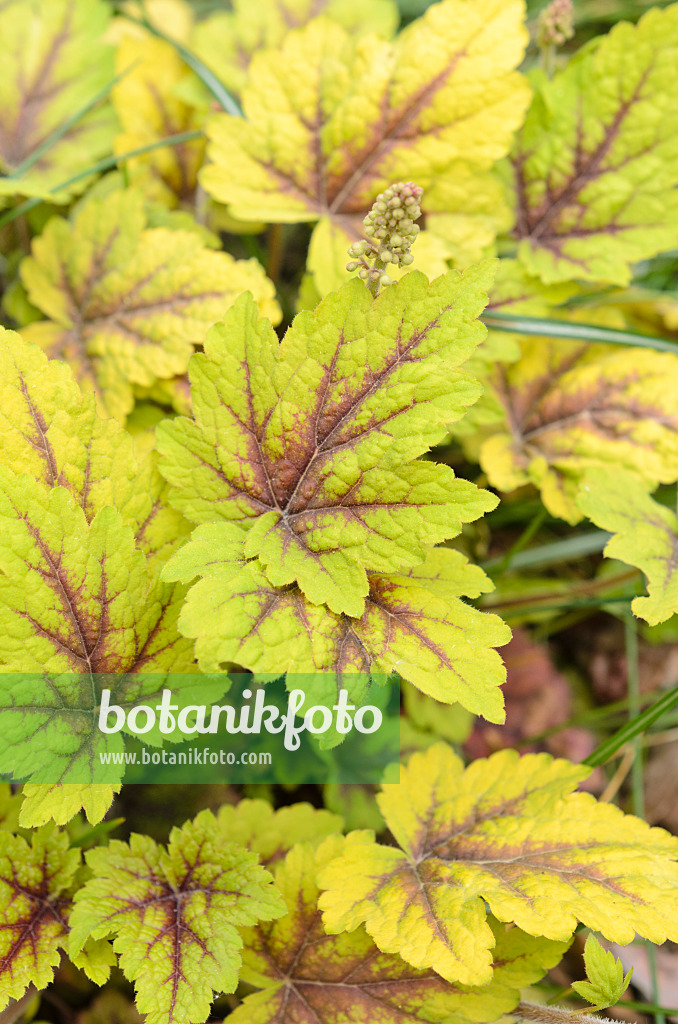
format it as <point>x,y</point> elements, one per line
<point>507,832</point>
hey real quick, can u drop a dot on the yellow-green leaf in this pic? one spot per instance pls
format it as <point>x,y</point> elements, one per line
<point>271,834</point>
<point>596,164</point>
<point>645,535</point>
<point>127,303</point>
<point>331,121</point>
<point>414,622</point>
<point>54,62</point>
<point>606,981</point>
<point>309,977</point>
<point>508,833</point>
<point>570,407</point>
<point>227,40</point>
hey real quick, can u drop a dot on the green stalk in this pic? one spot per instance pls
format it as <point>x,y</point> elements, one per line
<point>102,165</point>
<point>545,328</point>
<point>633,728</point>
<point>557,551</point>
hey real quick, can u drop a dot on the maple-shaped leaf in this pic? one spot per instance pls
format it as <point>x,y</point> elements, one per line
<point>36,882</point>
<point>569,408</point>
<point>414,622</point>
<point>227,40</point>
<point>54,62</point>
<point>508,833</point>
<point>606,981</point>
<point>125,302</point>
<point>645,535</point>
<point>331,121</point>
<point>309,977</point>
<point>271,834</point>
<point>175,915</point>
<point>309,443</point>
<point>596,164</point>
<point>150,106</point>
<point>61,802</point>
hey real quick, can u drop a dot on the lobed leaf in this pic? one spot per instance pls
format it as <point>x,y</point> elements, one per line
<point>596,164</point>
<point>309,444</point>
<point>54,62</point>
<point>606,982</point>
<point>36,882</point>
<point>125,303</point>
<point>309,977</point>
<point>331,121</point>
<point>414,622</point>
<point>570,408</point>
<point>645,535</point>
<point>227,40</point>
<point>175,915</point>
<point>508,833</point>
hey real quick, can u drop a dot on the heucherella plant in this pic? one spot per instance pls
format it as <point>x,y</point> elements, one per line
<point>312,328</point>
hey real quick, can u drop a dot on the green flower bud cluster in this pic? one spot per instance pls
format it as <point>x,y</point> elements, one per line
<point>556,23</point>
<point>391,230</point>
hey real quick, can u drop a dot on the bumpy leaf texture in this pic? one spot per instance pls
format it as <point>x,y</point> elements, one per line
<point>567,408</point>
<point>309,445</point>
<point>54,62</point>
<point>79,588</point>
<point>413,622</point>
<point>175,915</point>
<point>125,303</point>
<point>36,881</point>
<point>331,121</point>
<point>507,832</point>
<point>596,164</point>
<point>645,535</point>
<point>309,977</point>
<point>227,40</point>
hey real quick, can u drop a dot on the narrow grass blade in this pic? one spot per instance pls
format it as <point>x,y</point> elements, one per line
<point>546,328</point>
<point>633,728</point>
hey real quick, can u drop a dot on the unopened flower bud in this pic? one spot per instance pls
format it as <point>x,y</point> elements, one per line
<point>556,23</point>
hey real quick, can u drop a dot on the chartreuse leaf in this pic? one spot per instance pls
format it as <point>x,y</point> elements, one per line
<point>150,106</point>
<point>271,834</point>
<point>309,977</point>
<point>413,621</point>
<point>309,443</point>
<point>606,981</point>
<point>36,882</point>
<point>596,164</point>
<point>569,408</point>
<point>645,535</point>
<point>126,303</point>
<point>61,802</point>
<point>54,62</point>
<point>509,833</point>
<point>331,121</point>
<point>227,40</point>
<point>175,915</point>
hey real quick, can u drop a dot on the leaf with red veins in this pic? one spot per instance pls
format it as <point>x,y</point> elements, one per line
<point>36,881</point>
<point>413,622</point>
<point>310,444</point>
<point>595,168</point>
<point>331,121</point>
<point>309,977</point>
<point>175,914</point>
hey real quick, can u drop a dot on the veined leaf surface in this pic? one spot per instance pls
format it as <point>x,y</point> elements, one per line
<point>126,303</point>
<point>596,164</point>
<point>272,834</point>
<point>175,915</point>
<point>645,535</point>
<point>569,408</point>
<point>330,122</point>
<point>414,622</point>
<point>309,444</point>
<point>54,62</point>
<point>36,882</point>
<point>507,831</point>
<point>309,977</point>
